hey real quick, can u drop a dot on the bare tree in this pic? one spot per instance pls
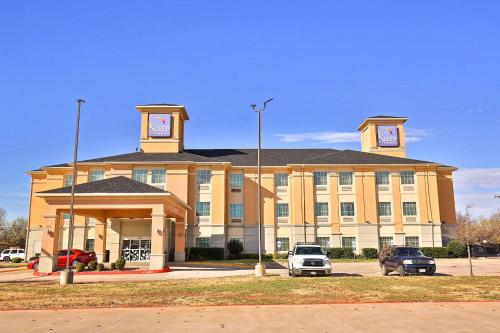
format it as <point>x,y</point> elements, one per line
<point>15,232</point>
<point>3,220</point>
<point>468,232</point>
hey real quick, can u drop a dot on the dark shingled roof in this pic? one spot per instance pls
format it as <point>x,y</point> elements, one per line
<point>118,184</point>
<point>269,157</point>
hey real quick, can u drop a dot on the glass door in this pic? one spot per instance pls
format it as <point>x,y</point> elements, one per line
<point>136,249</point>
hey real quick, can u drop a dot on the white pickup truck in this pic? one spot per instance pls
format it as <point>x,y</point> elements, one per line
<point>308,259</point>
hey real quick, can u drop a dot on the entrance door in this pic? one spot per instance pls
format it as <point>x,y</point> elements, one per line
<point>136,249</point>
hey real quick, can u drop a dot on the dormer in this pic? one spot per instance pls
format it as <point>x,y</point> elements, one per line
<point>162,128</point>
<point>383,135</point>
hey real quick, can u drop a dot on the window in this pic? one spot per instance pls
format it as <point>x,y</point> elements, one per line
<point>281,179</point>
<point>347,209</point>
<point>320,178</point>
<point>385,241</point>
<point>236,180</point>
<point>345,178</point>
<point>324,242</point>
<point>66,216</point>
<point>89,245</point>
<point>412,241</point>
<point>281,210</point>
<point>382,178</point>
<point>321,209</point>
<point>409,209</point>
<point>282,244</point>
<point>203,208</point>
<point>349,243</point>
<point>96,175</point>
<point>203,242</point>
<point>158,176</point>
<point>407,177</point>
<point>384,209</point>
<point>203,176</point>
<point>68,180</point>
<point>140,175</point>
<point>236,210</point>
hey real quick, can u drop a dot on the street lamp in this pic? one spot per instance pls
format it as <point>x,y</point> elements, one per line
<point>67,275</point>
<point>260,269</point>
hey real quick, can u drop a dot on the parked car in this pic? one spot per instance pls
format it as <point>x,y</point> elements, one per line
<point>308,259</point>
<point>405,260</point>
<point>75,257</point>
<point>9,254</point>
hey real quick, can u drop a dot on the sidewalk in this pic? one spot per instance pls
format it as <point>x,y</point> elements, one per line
<point>396,317</point>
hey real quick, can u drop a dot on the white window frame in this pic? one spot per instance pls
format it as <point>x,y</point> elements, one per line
<point>379,204</point>
<point>205,204</point>
<point>411,239</point>
<point>342,178</point>
<point>91,171</point>
<point>238,186</point>
<point>353,209</point>
<point>413,205</point>
<point>405,177</point>
<point>235,207</point>
<point>203,177</point>
<point>319,208</point>
<point>386,177</point>
<point>281,176</point>
<point>348,242</point>
<point>320,175</point>
<point>68,180</point>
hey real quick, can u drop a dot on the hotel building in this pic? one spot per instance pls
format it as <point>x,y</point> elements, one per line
<point>152,204</point>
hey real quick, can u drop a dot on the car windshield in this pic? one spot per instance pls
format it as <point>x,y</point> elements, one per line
<point>409,252</point>
<point>309,250</point>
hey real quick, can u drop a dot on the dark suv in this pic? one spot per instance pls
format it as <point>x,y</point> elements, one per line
<point>405,260</point>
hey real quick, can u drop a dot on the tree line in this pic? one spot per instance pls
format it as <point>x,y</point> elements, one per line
<point>12,232</point>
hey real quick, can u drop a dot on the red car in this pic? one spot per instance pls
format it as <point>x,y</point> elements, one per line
<point>75,257</point>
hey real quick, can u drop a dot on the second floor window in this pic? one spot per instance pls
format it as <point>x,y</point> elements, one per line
<point>202,208</point>
<point>407,177</point>
<point>236,210</point>
<point>281,179</point>
<point>203,177</point>
<point>345,178</point>
<point>321,209</point>
<point>68,180</point>
<point>347,209</point>
<point>409,208</point>
<point>95,175</point>
<point>382,178</point>
<point>281,210</point>
<point>236,180</point>
<point>320,178</point>
<point>384,209</point>
<point>158,176</point>
<point>140,175</point>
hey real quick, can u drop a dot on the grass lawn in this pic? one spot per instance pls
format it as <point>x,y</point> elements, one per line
<point>248,263</point>
<point>248,290</point>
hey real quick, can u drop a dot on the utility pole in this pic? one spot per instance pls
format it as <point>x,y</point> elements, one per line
<point>67,275</point>
<point>260,268</point>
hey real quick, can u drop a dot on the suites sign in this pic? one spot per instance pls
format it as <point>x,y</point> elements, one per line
<point>387,136</point>
<point>159,125</point>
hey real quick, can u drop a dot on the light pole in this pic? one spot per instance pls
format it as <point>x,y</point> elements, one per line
<point>67,274</point>
<point>260,268</point>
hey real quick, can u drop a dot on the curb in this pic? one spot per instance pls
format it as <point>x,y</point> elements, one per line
<point>13,270</point>
<point>155,271</point>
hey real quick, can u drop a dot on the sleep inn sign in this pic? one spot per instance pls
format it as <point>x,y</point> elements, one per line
<point>159,125</point>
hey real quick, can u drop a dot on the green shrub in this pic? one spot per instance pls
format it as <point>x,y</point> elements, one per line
<point>280,255</point>
<point>16,260</point>
<point>33,258</point>
<point>80,267</point>
<point>435,252</point>
<point>340,252</point>
<point>113,266</point>
<point>92,266</point>
<point>249,256</point>
<point>206,253</point>
<point>120,264</point>
<point>457,249</point>
<point>100,267</point>
<point>369,253</point>
<point>235,247</point>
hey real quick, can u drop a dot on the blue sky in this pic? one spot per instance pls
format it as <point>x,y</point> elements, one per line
<point>327,64</point>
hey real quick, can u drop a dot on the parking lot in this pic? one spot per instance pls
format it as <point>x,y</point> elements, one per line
<point>446,267</point>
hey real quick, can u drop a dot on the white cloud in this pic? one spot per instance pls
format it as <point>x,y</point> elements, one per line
<point>416,134</point>
<point>477,187</point>
<point>320,137</point>
<point>474,110</point>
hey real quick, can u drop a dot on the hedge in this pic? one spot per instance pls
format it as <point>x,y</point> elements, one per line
<point>369,253</point>
<point>457,249</point>
<point>339,252</point>
<point>209,253</point>
<point>435,252</point>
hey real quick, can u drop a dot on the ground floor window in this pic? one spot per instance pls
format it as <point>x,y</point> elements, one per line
<point>282,244</point>
<point>89,245</point>
<point>349,242</point>
<point>136,249</point>
<point>324,242</point>
<point>385,241</point>
<point>412,241</point>
<point>202,242</point>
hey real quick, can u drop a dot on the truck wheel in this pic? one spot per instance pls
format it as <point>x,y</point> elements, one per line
<point>401,270</point>
<point>384,269</point>
<point>6,259</point>
<point>289,272</point>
